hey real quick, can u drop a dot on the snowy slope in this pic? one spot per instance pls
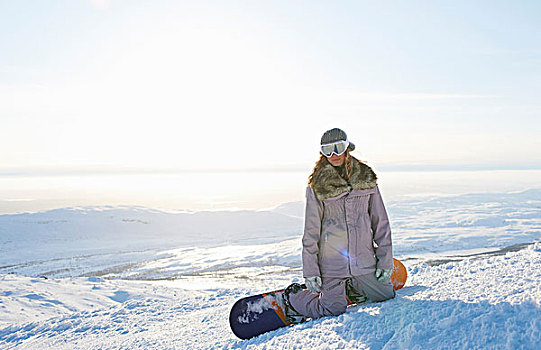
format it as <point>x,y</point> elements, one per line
<point>493,302</point>
<point>159,289</point>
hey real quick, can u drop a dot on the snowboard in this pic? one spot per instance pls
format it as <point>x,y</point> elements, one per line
<point>258,314</point>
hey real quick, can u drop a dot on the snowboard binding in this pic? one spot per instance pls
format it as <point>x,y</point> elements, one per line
<point>292,315</point>
<point>353,296</point>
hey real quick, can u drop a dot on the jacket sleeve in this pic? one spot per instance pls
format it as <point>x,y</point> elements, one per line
<point>381,231</point>
<point>312,233</point>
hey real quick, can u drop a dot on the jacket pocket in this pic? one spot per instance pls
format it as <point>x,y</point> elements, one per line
<point>365,254</point>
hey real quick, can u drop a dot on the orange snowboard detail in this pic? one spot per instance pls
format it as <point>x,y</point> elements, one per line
<point>271,299</point>
<point>399,275</point>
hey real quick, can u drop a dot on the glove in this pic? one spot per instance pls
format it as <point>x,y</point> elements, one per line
<point>313,283</point>
<point>383,275</point>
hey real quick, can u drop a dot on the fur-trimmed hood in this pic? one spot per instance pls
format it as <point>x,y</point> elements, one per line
<point>328,183</point>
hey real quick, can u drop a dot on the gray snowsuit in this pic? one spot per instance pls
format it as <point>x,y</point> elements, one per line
<point>346,235</point>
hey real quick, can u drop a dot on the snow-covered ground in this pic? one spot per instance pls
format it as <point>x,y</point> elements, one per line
<point>133,277</point>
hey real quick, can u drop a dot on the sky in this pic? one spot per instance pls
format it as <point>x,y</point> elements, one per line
<point>228,85</point>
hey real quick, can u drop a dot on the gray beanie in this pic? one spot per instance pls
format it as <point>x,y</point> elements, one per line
<point>334,135</point>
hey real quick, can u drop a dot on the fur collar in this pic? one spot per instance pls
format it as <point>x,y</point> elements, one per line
<point>328,183</point>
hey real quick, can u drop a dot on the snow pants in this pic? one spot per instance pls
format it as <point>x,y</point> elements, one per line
<point>332,299</point>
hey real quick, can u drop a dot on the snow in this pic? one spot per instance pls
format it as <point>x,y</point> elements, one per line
<point>133,277</point>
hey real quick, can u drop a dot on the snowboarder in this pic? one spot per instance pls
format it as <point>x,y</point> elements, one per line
<point>347,248</point>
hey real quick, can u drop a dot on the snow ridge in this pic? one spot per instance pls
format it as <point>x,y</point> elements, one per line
<point>475,303</point>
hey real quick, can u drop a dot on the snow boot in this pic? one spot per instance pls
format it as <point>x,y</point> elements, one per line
<point>353,295</point>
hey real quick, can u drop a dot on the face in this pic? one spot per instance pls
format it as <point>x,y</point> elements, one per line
<point>337,160</point>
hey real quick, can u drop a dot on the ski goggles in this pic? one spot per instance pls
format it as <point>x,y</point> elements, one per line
<point>338,148</point>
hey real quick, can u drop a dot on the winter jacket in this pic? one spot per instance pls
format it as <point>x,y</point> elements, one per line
<point>346,231</point>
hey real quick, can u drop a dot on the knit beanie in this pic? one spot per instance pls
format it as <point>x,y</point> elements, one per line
<point>334,135</point>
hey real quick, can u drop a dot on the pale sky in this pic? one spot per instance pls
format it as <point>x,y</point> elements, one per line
<point>253,84</point>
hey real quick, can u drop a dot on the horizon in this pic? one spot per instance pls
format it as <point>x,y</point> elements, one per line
<point>108,169</point>
<point>233,190</point>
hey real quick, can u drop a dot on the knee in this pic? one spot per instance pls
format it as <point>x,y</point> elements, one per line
<point>336,309</point>
<point>338,312</point>
<point>384,296</point>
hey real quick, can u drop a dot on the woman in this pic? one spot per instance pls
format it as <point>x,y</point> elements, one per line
<point>347,249</point>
